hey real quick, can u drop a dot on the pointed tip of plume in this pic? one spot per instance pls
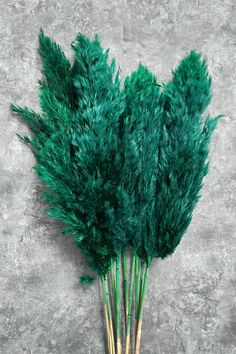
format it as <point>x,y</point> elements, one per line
<point>210,125</point>
<point>17,109</point>
<point>43,40</point>
<point>41,33</point>
<point>142,74</point>
<point>141,85</point>
<point>81,41</point>
<point>24,138</point>
<point>81,36</point>
<point>13,107</point>
<point>97,38</point>
<point>193,82</point>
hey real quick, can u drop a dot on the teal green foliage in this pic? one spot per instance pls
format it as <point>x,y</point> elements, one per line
<point>122,166</point>
<point>96,150</point>
<point>86,279</point>
<point>140,140</point>
<point>57,83</point>
<point>183,151</point>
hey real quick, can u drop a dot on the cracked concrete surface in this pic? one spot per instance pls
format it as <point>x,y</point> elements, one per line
<point>191,302</point>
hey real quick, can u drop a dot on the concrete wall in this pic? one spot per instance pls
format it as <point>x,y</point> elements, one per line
<point>191,298</point>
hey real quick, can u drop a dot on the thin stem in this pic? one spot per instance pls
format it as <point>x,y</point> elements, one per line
<point>112,277</point>
<point>141,305</point>
<point>104,298</point>
<point>129,320</point>
<point>136,285</point>
<point>139,294</point>
<point>118,317</point>
<point>138,291</point>
<point>125,286</point>
<point>113,288</point>
<point>142,272</point>
<point>109,312</point>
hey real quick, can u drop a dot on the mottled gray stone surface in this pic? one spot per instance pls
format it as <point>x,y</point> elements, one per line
<point>191,304</point>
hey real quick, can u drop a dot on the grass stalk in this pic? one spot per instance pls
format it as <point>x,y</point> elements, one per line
<point>139,274</point>
<point>125,286</point>
<point>113,290</point>
<point>141,305</point>
<point>137,279</point>
<point>129,319</point>
<point>141,277</point>
<point>110,321</point>
<point>104,298</point>
<point>118,313</point>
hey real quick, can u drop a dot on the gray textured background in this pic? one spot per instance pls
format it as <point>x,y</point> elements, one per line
<point>191,306</point>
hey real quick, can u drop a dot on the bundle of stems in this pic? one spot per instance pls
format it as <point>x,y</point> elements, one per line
<point>134,288</point>
<point>121,165</point>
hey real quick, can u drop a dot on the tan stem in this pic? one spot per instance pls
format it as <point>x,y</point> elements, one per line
<point>112,337</point>
<point>141,305</point>
<point>119,346</point>
<point>130,302</point>
<point>138,336</point>
<point>142,272</point>
<point>106,315</point>
<point>108,330</point>
<point>110,322</point>
<point>127,344</point>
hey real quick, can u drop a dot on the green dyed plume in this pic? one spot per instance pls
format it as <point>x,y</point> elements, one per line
<point>122,166</point>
